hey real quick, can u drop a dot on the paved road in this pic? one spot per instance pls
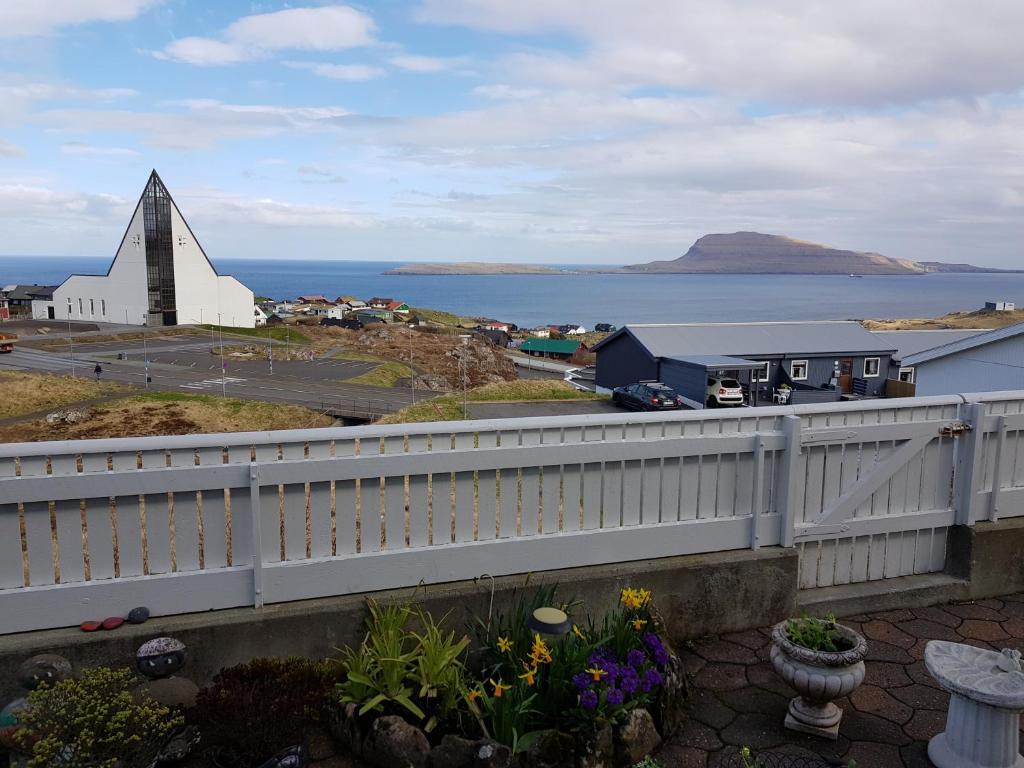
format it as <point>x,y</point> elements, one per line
<point>174,366</point>
<point>546,408</point>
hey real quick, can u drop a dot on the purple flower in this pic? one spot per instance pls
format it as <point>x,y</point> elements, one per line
<point>614,697</point>
<point>629,684</point>
<point>612,669</point>
<point>588,700</point>
<point>661,657</point>
<point>653,678</point>
<point>653,642</point>
<point>636,658</point>
<point>581,680</point>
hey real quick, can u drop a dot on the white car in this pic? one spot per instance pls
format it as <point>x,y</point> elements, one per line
<point>724,392</point>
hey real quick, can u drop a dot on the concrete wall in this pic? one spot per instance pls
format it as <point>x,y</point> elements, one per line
<point>696,594</point>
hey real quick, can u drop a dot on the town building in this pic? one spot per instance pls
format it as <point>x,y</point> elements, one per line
<point>813,361</point>
<point>20,298</point>
<point>5,310</point>
<point>314,298</point>
<point>999,306</point>
<point>559,349</point>
<point>160,276</point>
<point>961,361</point>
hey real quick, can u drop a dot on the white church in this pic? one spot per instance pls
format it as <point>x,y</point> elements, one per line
<point>160,276</point>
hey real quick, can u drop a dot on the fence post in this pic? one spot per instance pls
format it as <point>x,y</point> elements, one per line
<point>757,494</point>
<point>257,535</point>
<point>789,491</point>
<point>968,467</point>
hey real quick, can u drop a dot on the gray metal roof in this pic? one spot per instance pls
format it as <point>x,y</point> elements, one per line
<point>712,362</point>
<point>753,339</point>
<point>964,344</point>
<point>912,342</point>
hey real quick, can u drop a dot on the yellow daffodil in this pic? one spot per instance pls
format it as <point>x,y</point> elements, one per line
<point>473,695</point>
<point>529,675</point>
<point>638,624</point>
<point>596,673</point>
<point>578,632</point>
<point>635,598</point>
<point>499,688</point>
<point>504,644</point>
<point>540,653</point>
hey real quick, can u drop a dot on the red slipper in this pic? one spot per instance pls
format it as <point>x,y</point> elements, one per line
<point>89,626</point>
<point>112,623</point>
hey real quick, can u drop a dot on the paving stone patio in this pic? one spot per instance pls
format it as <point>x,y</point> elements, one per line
<point>738,700</point>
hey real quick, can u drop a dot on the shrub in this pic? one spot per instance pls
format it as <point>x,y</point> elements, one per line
<point>817,634</point>
<point>418,674</point>
<point>94,721</point>
<point>254,710</point>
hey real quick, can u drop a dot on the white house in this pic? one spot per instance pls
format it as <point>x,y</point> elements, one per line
<point>160,276</point>
<point>259,316</point>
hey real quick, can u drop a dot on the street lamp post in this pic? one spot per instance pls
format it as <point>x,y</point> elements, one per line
<point>71,342</point>
<point>145,350</point>
<point>465,371</point>
<point>412,369</point>
<point>223,368</point>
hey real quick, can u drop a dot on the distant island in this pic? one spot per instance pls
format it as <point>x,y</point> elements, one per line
<point>474,268</point>
<point>738,253</point>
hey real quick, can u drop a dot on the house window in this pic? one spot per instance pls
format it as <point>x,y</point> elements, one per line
<point>69,307</point>
<point>92,307</point>
<point>103,307</point>
<point>763,373</point>
<point>907,375</point>
<point>871,366</point>
<point>798,370</point>
<point>80,313</point>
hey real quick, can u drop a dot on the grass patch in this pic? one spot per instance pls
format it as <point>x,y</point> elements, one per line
<point>170,413</point>
<point>276,332</point>
<point>449,407</point>
<point>384,375</point>
<point>26,392</point>
<point>439,316</point>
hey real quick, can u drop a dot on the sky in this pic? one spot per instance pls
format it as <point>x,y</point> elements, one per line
<point>551,131</point>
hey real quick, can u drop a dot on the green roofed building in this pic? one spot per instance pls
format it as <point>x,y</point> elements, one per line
<point>557,348</point>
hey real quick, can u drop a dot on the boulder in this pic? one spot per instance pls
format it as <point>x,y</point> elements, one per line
<point>393,743</point>
<point>452,752</point>
<point>46,668</point>
<point>491,754</point>
<point>596,748</point>
<point>552,749</point>
<point>636,737</point>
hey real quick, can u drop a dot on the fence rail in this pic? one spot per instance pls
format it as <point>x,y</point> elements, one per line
<point>863,491</point>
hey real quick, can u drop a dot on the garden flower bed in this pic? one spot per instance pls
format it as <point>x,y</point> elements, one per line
<point>545,686</point>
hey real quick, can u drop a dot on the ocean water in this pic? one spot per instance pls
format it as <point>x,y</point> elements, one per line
<point>530,300</point>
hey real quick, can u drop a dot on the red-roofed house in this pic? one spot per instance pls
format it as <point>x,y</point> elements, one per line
<point>314,299</point>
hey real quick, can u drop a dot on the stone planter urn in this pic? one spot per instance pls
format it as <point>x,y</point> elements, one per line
<point>818,677</point>
<point>986,698</point>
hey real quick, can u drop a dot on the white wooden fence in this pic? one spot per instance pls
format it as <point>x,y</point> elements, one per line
<point>183,524</point>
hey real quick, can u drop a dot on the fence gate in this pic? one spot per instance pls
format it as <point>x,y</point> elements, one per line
<point>872,493</point>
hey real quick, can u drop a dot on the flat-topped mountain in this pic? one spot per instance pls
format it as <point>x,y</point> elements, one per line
<point>756,253</point>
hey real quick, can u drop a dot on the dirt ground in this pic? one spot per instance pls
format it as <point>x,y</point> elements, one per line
<point>978,319</point>
<point>168,413</point>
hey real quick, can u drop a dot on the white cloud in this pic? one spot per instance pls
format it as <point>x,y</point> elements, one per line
<point>801,51</point>
<point>90,150</point>
<point>204,51</point>
<point>7,149</point>
<point>201,123</point>
<point>347,72</point>
<point>424,64</point>
<point>22,17</point>
<point>326,28</point>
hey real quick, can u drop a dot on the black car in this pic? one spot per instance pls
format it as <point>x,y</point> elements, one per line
<point>647,396</point>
